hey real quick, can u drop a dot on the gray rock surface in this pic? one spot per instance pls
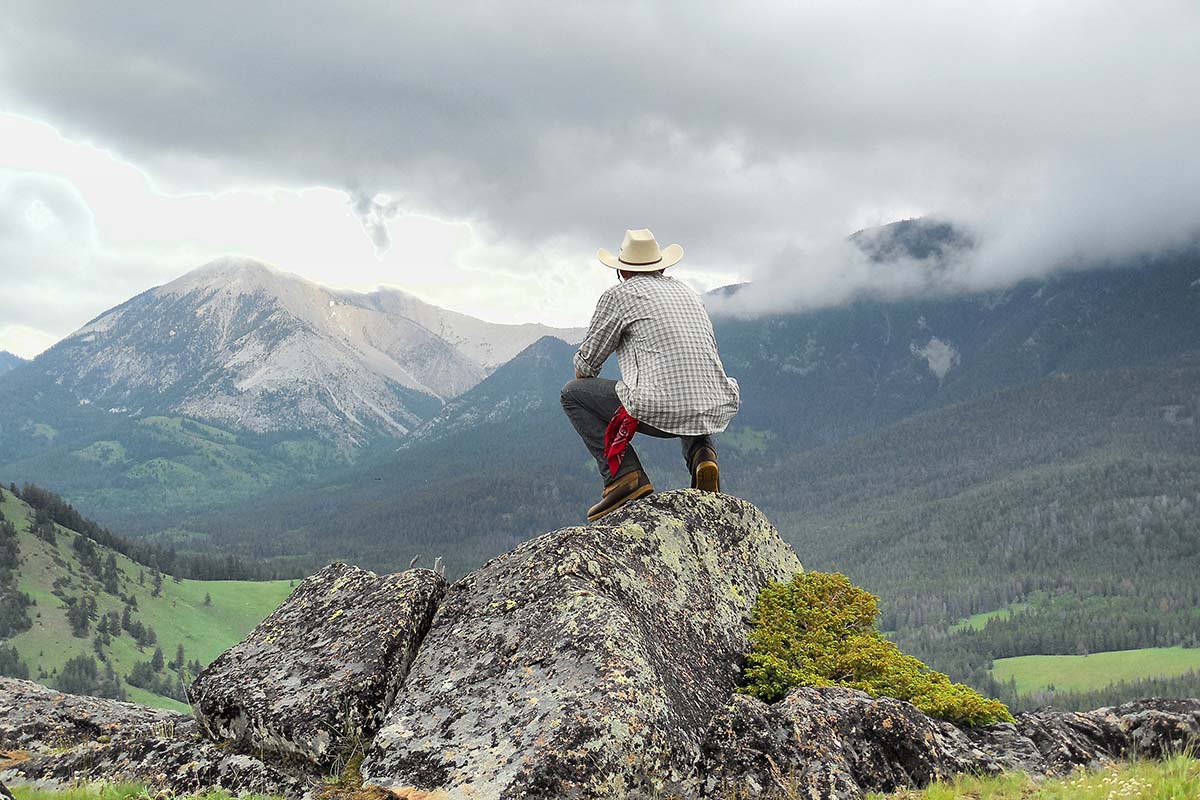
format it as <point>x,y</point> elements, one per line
<point>53,739</point>
<point>840,743</point>
<point>32,715</point>
<point>315,678</point>
<point>588,661</point>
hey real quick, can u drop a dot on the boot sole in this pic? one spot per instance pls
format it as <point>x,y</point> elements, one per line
<point>634,495</point>
<point>708,478</point>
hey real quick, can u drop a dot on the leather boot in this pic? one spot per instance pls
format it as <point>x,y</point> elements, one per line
<point>705,474</point>
<point>629,486</point>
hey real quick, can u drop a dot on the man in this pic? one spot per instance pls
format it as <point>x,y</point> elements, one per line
<point>672,381</point>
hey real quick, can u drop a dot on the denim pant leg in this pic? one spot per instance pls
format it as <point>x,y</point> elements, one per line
<point>590,404</point>
<point>689,443</point>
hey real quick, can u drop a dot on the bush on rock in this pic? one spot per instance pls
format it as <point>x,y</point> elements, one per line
<point>819,630</point>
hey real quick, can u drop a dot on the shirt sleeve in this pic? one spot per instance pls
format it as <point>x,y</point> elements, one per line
<point>602,337</point>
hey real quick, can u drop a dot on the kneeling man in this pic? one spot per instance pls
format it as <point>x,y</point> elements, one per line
<point>672,381</point>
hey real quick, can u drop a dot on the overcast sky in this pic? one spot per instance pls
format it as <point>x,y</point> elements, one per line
<point>478,154</point>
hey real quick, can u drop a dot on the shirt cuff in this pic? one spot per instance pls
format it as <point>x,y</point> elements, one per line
<point>584,368</point>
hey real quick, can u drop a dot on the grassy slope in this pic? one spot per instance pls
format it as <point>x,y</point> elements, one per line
<point>1097,670</point>
<point>178,616</point>
<point>1175,779</point>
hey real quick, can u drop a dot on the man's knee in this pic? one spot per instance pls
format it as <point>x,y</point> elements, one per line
<point>568,393</point>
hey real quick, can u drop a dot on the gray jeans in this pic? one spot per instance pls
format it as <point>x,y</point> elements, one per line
<point>590,403</point>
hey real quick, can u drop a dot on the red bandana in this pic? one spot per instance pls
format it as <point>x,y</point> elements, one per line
<point>616,438</point>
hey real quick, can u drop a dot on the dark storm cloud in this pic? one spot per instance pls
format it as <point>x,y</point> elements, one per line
<point>753,133</point>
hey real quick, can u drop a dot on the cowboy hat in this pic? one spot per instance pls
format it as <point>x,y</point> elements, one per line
<point>640,253</point>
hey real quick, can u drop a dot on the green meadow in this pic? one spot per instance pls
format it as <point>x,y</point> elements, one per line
<point>976,622</point>
<point>1094,671</point>
<point>206,617</point>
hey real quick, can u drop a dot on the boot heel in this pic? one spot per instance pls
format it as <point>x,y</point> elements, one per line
<point>708,477</point>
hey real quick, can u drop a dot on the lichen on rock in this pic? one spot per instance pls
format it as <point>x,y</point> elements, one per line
<point>316,677</point>
<point>54,739</point>
<point>588,661</point>
<point>839,743</point>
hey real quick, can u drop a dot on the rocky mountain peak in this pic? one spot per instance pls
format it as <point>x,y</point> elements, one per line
<point>240,342</point>
<point>232,267</point>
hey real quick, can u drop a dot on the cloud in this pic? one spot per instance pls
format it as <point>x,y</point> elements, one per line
<point>374,213</point>
<point>56,272</point>
<point>757,135</point>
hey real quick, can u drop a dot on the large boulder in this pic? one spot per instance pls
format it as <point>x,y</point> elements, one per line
<point>316,677</point>
<point>838,744</point>
<point>54,739</point>
<point>588,661</point>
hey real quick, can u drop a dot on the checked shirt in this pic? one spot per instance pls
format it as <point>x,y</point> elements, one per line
<point>671,376</point>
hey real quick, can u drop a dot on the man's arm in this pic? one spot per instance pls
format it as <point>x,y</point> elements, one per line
<point>602,337</point>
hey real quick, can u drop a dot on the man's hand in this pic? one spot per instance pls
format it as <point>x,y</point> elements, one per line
<point>579,375</point>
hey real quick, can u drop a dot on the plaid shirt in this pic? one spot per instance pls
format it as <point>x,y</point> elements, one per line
<point>671,376</point>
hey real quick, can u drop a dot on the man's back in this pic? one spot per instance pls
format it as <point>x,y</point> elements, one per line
<point>671,375</point>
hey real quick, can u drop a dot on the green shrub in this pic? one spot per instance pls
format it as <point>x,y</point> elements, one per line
<point>819,630</point>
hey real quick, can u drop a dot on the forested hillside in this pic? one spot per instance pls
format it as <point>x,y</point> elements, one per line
<point>1070,501</point>
<point>78,613</point>
<point>8,361</point>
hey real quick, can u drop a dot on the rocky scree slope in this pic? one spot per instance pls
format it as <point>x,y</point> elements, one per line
<point>593,661</point>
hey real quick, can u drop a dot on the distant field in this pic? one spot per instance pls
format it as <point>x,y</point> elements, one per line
<point>178,615</point>
<point>977,621</point>
<point>1095,671</point>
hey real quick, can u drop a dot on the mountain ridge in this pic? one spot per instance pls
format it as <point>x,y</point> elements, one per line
<point>10,361</point>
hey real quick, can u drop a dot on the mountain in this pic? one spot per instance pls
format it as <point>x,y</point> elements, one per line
<point>530,381</point>
<point>235,378</point>
<point>95,605</point>
<point>240,343</point>
<point>8,361</point>
<point>820,376</point>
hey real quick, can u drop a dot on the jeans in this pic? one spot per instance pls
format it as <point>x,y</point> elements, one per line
<point>590,403</point>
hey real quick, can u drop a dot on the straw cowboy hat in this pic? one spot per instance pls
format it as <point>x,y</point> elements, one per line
<point>640,253</point>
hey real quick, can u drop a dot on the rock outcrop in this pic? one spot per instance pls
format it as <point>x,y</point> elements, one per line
<point>32,714</point>
<point>315,678</point>
<point>593,661</point>
<point>588,661</point>
<point>55,739</point>
<point>840,743</point>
